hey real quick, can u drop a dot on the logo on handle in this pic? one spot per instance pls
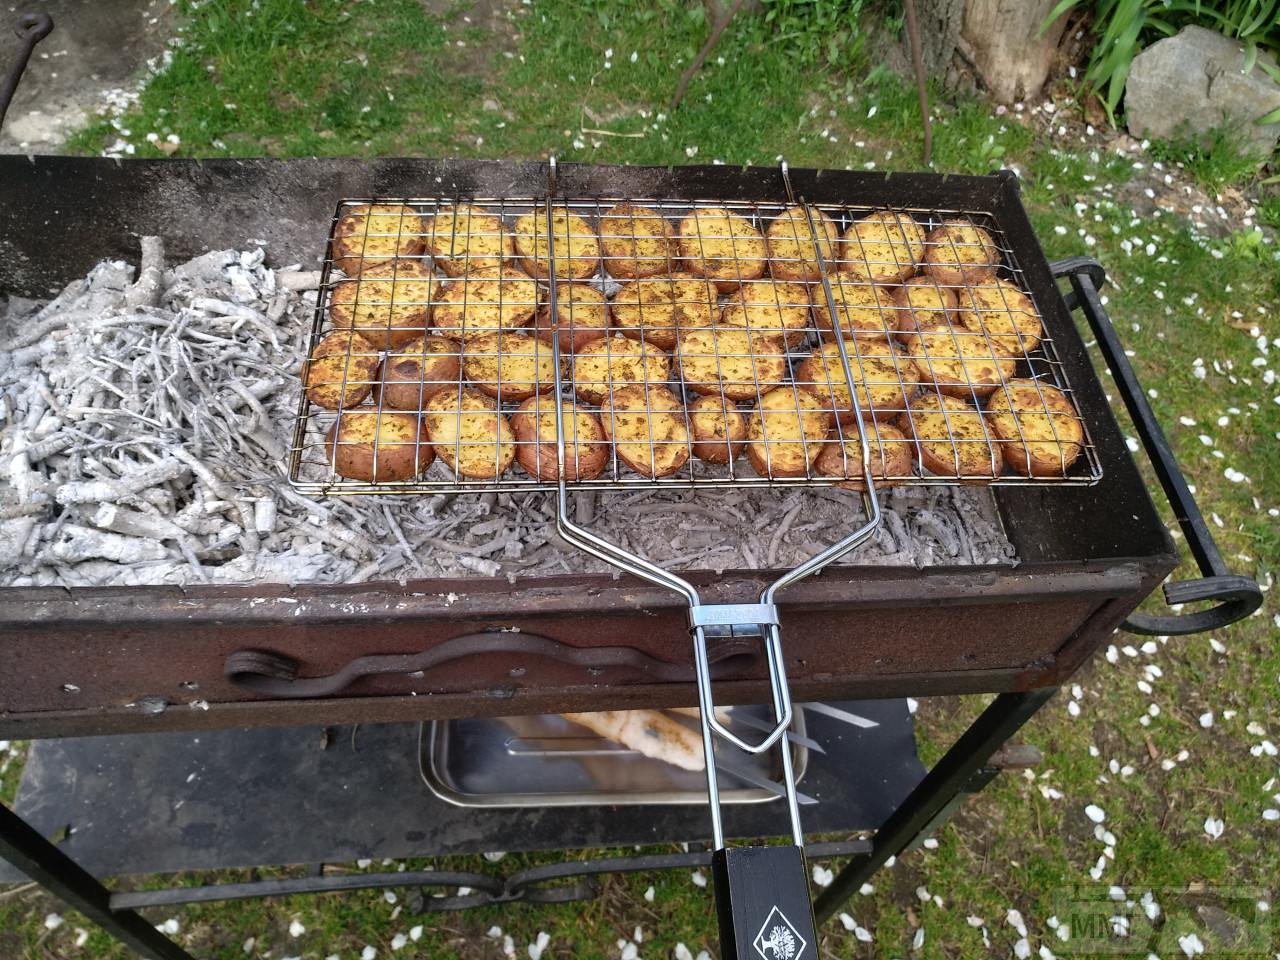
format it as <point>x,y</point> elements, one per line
<point>778,939</point>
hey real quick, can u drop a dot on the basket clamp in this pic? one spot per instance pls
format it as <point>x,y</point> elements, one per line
<point>733,619</point>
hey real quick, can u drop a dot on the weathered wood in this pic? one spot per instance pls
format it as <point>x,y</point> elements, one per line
<point>991,43</point>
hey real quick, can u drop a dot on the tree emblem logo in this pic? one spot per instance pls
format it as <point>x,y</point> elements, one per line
<point>778,939</point>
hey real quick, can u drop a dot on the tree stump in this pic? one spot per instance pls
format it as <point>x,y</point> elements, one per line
<point>992,43</point>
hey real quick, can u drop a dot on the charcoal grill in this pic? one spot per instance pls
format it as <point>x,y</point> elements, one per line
<point>121,661</point>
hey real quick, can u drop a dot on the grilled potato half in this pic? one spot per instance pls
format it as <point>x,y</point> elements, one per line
<point>884,247</point>
<point>877,379</point>
<point>586,446</point>
<point>616,362</point>
<point>509,365</point>
<point>463,238</point>
<point>481,303</point>
<point>659,309</point>
<point>416,372</point>
<point>722,246</point>
<point>1040,432</point>
<point>371,234</point>
<point>388,303</point>
<point>377,446</point>
<point>637,242</point>
<point>959,252</point>
<point>581,316</point>
<point>891,457</point>
<point>1001,312</point>
<point>786,432</point>
<point>770,309</point>
<point>864,309</point>
<point>958,361</point>
<point>922,302</point>
<point>341,370</point>
<point>719,429</point>
<point>789,240</point>
<point>647,426</point>
<point>577,247</point>
<point>953,439</point>
<point>470,434</point>
<point>730,361</point>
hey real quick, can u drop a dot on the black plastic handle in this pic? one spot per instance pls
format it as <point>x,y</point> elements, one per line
<point>1235,596</point>
<point>762,904</point>
<point>276,674</point>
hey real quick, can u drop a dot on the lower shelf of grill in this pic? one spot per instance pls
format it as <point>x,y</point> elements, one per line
<point>161,803</point>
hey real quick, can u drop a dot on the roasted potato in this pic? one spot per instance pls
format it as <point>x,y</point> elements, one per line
<point>463,238</point>
<point>891,457</point>
<point>647,426</point>
<point>730,361</point>
<point>771,309</point>
<point>416,372</point>
<point>509,365</point>
<point>864,309</point>
<point>388,303</point>
<point>884,247</point>
<point>582,315</point>
<point>722,246</point>
<point>371,234</point>
<point>637,242</point>
<point>922,302</point>
<point>341,370</point>
<point>577,247</point>
<point>1001,312</point>
<point>481,303</point>
<point>959,252</point>
<point>786,432</point>
<point>1040,432</point>
<point>470,434</point>
<point>789,241</point>
<point>952,437</point>
<point>586,446</point>
<point>615,362</point>
<point>658,309</point>
<point>958,361</point>
<point>377,446</point>
<point>877,375</point>
<point>719,429</point>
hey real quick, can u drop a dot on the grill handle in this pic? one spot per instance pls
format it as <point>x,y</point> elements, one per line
<point>1235,596</point>
<point>762,904</point>
<point>276,674</point>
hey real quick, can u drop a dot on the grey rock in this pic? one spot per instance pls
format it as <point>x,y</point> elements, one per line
<point>1194,82</point>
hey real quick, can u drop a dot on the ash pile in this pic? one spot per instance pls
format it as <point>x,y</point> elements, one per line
<point>143,438</point>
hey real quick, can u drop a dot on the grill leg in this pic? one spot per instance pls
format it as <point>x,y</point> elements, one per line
<point>48,866</point>
<point>936,793</point>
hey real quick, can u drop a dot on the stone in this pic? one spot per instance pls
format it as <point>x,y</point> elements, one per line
<point>1194,82</point>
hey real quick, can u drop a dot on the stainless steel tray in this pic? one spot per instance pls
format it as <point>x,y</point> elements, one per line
<point>548,761</point>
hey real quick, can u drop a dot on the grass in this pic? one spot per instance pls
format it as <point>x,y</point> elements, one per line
<point>300,76</point>
<point>1213,161</point>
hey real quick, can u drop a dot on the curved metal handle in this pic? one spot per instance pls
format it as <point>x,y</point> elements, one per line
<point>31,28</point>
<point>1236,596</point>
<point>276,675</point>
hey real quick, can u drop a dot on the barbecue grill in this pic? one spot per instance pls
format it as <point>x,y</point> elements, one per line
<point>1090,544</point>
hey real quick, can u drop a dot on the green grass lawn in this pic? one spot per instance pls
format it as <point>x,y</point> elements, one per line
<point>1160,735</point>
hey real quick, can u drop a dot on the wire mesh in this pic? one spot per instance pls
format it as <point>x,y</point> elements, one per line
<point>698,348</point>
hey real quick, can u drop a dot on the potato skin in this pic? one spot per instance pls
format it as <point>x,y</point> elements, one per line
<point>487,445</point>
<point>402,448</point>
<point>371,234</point>
<point>719,429</point>
<point>648,429</point>
<point>797,429</point>
<point>416,372</point>
<point>590,314</point>
<point>341,370</point>
<point>534,424</point>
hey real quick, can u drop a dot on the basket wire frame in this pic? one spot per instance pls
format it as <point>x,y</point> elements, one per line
<point>500,326</point>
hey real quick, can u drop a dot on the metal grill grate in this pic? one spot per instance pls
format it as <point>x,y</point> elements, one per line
<point>676,320</point>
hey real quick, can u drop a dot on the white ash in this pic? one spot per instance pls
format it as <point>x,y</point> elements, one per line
<point>143,436</point>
